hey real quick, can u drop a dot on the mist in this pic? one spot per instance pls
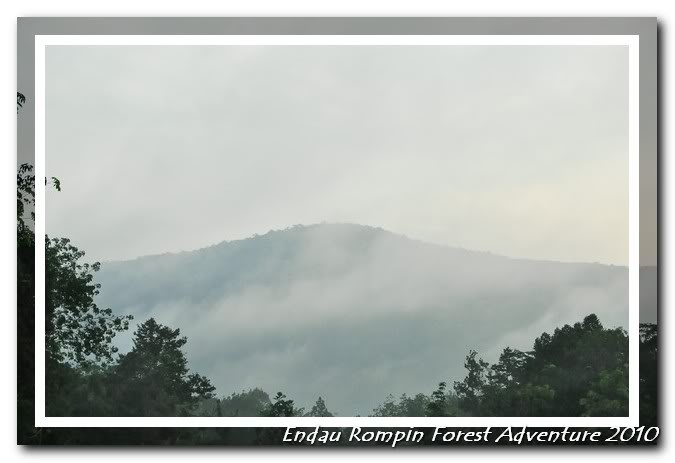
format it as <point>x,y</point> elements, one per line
<point>353,313</point>
<point>445,144</point>
<point>520,151</point>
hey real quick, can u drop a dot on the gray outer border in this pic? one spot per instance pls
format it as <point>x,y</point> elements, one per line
<point>646,28</point>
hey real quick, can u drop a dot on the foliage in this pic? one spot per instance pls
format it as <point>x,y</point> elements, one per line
<point>246,403</point>
<point>282,406</point>
<point>579,370</point>
<point>77,330</point>
<point>153,379</point>
<point>470,389</point>
<point>82,375</point>
<point>442,402</point>
<point>319,409</point>
<point>390,407</point>
<point>25,202</point>
<point>25,256</point>
<point>648,374</point>
<point>608,395</point>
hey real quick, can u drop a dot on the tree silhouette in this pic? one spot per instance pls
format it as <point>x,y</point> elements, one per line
<point>282,406</point>
<point>246,403</point>
<point>580,370</point>
<point>20,100</point>
<point>470,389</point>
<point>77,330</point>
<point>153,379</point>
<point>319,409</point>
<point>438,406</point>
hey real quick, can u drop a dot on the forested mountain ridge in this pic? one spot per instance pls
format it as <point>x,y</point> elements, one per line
<point>302,309</point>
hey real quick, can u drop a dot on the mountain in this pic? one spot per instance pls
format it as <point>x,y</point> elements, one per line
<point>353,313</point>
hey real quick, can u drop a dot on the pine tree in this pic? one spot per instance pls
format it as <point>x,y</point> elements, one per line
<point>319,409</point>
<point>153,379</point>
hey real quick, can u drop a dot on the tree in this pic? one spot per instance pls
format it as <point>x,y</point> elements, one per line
<point>78,339</point>
<point>246,403</point>
<point>648,374</point>
<point>25,257</point>
<point>438,406</point>
<point>413,406</point>
<point>20,100</point>
<point>25,202</point>
<point>319,409</point>
<point>571,360</point>
<point>281,406</point>
<point>579,370</point>
<point>76,329</point>
<point>387,408</point>
<point>153,379</point>
<point>608,394</point>
<point>504,391</point>
<point>508,371</point>
<point>77,333</point>
<point>470,390</point>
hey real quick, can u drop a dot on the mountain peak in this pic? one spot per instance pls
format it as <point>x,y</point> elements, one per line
<point>329,301</point>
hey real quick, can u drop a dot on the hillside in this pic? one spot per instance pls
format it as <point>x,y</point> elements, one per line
<point>352,311</point>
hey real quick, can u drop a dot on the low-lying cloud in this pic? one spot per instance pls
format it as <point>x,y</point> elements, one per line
<point>353,313</point>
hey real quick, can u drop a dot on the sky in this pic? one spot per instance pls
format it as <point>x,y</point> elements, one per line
<point>517,150</point>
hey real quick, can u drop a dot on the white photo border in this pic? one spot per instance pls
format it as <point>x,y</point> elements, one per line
<point>631,41</point>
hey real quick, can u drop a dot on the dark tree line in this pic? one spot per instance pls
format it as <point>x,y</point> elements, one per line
<point>85,376</point>
<point>580,370</point>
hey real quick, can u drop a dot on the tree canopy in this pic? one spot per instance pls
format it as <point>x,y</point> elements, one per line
<point>580,370</point>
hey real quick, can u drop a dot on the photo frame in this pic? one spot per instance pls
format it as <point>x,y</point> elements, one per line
<point>36,34</point>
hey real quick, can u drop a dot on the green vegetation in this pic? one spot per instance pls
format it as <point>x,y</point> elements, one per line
<point>580,370</point>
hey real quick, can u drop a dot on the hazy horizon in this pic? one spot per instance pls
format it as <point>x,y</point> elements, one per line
<point>393,232</point>
<point>516,150</point>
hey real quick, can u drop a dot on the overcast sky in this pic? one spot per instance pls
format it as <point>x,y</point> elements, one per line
<point>521,151</point>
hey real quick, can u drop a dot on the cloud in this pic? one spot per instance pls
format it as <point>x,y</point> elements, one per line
<point>175,148</point>
<point>354,313</point>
